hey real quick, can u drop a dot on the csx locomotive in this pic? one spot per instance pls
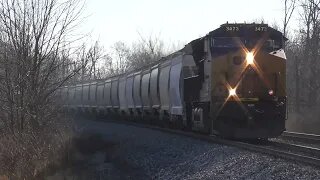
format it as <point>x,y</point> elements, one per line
<point>231,82</point>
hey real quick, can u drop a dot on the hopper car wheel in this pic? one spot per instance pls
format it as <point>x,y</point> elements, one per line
<point>137,115</point>
<point>165,119</point>
<point>177,121</point>
<point>145,118</point>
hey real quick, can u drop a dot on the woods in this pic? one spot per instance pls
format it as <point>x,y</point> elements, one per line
<point>121,57</point>
<point>303,57</point>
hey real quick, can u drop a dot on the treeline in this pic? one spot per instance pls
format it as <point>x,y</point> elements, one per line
<point>100,62</point>
<point>302,49</point>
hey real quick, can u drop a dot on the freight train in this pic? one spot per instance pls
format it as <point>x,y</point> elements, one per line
<point>231,82</point>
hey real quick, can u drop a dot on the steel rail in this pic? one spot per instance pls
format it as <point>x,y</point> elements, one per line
<point>243,145</point>
<point>314,152</point>
<point>304,137</point>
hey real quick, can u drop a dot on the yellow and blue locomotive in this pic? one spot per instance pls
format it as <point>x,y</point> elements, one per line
<point>245,80</point>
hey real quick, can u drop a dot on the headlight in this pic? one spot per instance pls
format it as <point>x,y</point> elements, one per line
<point>250,58</point>
<point>232,92</point>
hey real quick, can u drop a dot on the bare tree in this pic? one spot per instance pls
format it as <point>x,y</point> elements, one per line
<point>34,63</point>
<point>121,53</point>
<point>303,50</point>
<point>147,50</point>
<point>94,55</point>
<point>309,63</point>
<point>289,7</point>
<point>35,33</point>
<point>106,68</point>
<point>144,51</point>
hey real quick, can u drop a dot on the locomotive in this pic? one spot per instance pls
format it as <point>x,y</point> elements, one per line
<point>231,82</point>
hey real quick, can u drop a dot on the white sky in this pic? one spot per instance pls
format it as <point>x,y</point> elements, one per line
<point>175,20</point>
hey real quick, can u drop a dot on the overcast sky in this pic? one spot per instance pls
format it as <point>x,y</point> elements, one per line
<point>175,20</point>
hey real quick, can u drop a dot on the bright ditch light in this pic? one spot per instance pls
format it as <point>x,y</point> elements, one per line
<point>232,92</point>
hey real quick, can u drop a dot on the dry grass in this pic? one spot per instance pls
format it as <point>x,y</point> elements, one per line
<point>29,155</point>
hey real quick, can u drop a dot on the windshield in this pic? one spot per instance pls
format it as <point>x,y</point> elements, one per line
<point>236,42</point>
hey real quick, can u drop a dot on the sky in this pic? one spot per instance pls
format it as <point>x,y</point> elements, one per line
<point>174,21</point>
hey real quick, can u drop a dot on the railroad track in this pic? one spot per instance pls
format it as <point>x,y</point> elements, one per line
<point>302,137</point>
<point>296,148</point>
<point>287,151</point>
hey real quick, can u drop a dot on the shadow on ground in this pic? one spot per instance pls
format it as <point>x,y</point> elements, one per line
<point>92,157</point>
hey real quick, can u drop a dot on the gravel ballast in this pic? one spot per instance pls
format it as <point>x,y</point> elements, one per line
<point>160,155</point>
